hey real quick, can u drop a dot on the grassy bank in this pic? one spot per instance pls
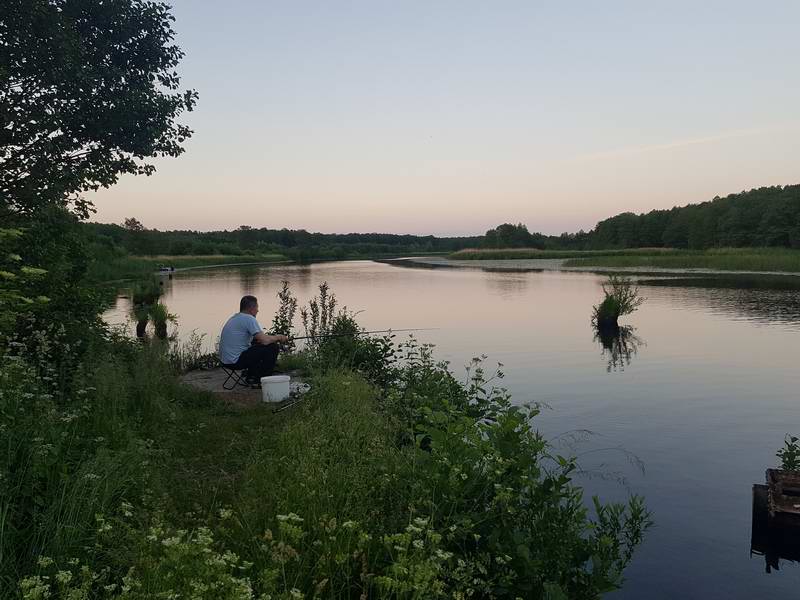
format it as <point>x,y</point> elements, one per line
<point>534,253</point>
<point>393,480</point>
<point>137,267</point>
<point>723,259</point>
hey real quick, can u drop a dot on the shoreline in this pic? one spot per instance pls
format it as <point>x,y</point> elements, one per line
<point>557,264</point>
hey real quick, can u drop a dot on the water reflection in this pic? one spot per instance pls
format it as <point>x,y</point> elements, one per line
<point>249,276</point>
<point>619,344</point>
<point>767,299</point>
<point>774,541</point>
<point>507,286</point>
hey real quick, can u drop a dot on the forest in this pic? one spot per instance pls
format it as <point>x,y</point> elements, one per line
<point>763,217</point>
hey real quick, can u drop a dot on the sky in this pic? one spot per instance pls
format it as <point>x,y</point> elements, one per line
<point>451,117</point>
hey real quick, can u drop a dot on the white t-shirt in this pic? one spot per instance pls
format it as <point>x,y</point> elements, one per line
<point>236,336</point>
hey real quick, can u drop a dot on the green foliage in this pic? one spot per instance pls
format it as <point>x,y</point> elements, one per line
<point>283,321</point>
<point>160,316</point>
<point>425,487</point>
<point>70,449</point>
<point>16,280</point>
<point>348,348</point>
<point>190,354</point>
<point>146,292</point>
<point>89,92</point>
<point>298,245</point>
<point>513,236</point>
<point>622,298</point>
<point>790,453</point>
<point>319,316</point>
<point>436,490</point>
<point>767,216</point>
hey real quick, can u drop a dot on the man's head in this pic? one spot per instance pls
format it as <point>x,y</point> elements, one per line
<point>249,305</point>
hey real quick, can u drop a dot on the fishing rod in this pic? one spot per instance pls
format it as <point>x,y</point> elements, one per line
<point>329,335</point>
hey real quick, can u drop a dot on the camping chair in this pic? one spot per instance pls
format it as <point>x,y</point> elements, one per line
<point>235,376</point>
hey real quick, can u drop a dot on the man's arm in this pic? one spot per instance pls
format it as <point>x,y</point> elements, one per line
<point>263,338</point>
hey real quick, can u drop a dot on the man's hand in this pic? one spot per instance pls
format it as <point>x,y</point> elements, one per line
<point>263,338</point>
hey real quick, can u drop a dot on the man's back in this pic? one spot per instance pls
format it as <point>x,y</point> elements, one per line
<point>236,336</point>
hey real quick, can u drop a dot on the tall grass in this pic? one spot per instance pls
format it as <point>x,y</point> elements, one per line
<point>71,454</point>
<point>723,259</point>
<point>534,253</point>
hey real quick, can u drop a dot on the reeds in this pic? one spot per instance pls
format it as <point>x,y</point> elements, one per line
<point>723,259</point>
<point>534,253</point>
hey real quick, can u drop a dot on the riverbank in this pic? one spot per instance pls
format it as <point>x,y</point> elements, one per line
<point>137,267</point>
<point>746,261</point>
<point>392,480</point>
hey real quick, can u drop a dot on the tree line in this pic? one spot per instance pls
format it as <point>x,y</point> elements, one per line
<point>767,216</point>
<point>763,217</point>
<point>132,237</point>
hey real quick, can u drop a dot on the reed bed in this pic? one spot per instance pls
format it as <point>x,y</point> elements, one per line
<point>535,253</point>
<point>722,259</point>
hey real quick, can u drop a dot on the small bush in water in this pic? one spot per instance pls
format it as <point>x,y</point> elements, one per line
<point>621,298</point>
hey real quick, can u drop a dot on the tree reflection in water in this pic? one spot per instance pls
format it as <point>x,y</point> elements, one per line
<point>619,345</point>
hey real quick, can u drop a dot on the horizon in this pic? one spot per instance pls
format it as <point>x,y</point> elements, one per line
<point>448,120</point>
<point>423,234</point>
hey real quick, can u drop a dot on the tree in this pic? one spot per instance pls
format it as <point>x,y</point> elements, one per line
<point>88,91</point>
<point>133,224</point>
<point>512,236</point>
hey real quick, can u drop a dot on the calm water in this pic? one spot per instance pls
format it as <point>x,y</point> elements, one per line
<point>709,391</point>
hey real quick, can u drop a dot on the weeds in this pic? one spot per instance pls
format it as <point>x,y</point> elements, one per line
<point>190,354</point>
<point>318,317</point>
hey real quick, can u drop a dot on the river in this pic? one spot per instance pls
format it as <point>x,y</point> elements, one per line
<point>688,411</point>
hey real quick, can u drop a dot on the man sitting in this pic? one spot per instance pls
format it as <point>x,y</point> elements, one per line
<point>244,345</point>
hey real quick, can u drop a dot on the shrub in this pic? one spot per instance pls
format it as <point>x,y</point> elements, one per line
<point>160,316</point>
<point>348,348</point>
<point>318,317</point>
<point>621,298</point>
<point>283,321</point>
<point>433,488</point>
<point>790,453</point>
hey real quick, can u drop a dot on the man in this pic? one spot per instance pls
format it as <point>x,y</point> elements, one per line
<point>244,345</point>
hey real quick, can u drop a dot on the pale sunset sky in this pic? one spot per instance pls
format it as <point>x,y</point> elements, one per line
<point>450,117</point>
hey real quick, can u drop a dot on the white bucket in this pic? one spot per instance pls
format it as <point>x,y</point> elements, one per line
<point>275,388</point>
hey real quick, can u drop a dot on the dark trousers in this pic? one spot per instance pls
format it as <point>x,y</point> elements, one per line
<point>259,360</point>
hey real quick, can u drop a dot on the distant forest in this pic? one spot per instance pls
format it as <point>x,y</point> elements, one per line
<point>768,216</point>
<point>133,238</point>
